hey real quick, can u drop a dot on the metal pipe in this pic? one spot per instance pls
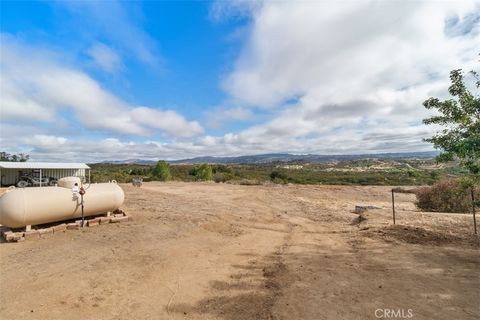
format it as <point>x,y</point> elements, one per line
<point>83,210</point>
<point>393,205</point>
<point>473,210</point>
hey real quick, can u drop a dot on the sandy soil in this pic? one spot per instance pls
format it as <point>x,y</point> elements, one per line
<point>220,251</point>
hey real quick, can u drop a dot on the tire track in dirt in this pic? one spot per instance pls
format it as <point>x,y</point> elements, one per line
<point>254,287</point>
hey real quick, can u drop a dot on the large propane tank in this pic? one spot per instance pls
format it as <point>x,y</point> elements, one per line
<point>30,206</point>
<point>69,182</point>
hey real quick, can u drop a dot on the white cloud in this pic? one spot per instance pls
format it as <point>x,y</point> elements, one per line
<point>169,121</point>
<point>18,105</point>
<point>219,117</point>
<point>46,140</point>
<point>39,84</point>
<point>349,70</point>
<point>346,49</point>
<point>237,113</point>
<point>105,57</point>
<point>53,148</point>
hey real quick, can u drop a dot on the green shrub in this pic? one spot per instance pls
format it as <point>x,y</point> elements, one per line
<point>203,173</point>
<point>221,169</point>
<point>444,196</point>
<point>277,175</point>
<point>119,176</point>
<point>161,171</point>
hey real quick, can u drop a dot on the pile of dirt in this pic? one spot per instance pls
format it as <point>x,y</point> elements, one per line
<point>419,235</point>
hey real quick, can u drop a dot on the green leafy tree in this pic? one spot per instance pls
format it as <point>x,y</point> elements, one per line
<point>204,172</point>
<point>21,157</point>
<point>161,171</point>
<point>460,118</point>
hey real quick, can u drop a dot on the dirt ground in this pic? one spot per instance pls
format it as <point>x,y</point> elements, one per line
<point>221,251</point>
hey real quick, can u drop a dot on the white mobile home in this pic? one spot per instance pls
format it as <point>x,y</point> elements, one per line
<point>10,172</point>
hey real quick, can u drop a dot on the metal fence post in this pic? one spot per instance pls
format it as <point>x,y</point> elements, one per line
<point>393,205</point>
<point>473,210</point>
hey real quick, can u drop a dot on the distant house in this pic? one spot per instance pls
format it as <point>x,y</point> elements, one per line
<point>10,172</point>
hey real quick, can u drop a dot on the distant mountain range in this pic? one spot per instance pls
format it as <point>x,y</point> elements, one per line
<point>287,157</point>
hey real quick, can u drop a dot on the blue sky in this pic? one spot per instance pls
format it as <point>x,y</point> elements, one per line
<point>103,80</point>
<point>190,53</point>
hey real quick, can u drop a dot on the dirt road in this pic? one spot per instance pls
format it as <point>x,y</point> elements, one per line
<point>220,251</point>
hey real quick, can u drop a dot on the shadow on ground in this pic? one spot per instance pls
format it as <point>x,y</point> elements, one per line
<point>250,294</point>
